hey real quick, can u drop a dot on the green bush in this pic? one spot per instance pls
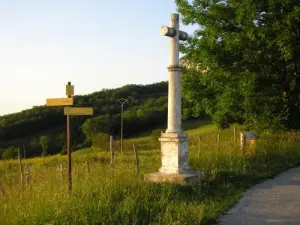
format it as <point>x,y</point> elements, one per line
<point>10,153</point>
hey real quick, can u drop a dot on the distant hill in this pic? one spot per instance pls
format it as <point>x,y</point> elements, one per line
<point>146,109</point>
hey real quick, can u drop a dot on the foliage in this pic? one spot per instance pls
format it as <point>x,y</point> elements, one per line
<point>44,142</point>
<point>244,61</point>
<point>10,153</point>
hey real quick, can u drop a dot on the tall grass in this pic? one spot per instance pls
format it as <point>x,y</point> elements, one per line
<point>118,195</point>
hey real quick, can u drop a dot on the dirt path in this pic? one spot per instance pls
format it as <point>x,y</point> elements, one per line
<point>275,201</point>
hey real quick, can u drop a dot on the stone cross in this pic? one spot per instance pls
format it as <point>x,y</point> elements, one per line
<point>174,95</point>
<point>174,143</point>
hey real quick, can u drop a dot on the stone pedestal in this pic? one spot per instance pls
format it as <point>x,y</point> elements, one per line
<point>174,160</point>
<point>185,178</point>
<point>174,153</point>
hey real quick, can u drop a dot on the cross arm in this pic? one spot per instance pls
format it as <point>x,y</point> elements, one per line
<point>167,31</point>
<point>171,32</point>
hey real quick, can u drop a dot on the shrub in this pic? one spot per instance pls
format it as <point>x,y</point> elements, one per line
<point>10,153</point>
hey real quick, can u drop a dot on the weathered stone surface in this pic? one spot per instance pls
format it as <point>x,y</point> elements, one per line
<point>248,135</point>
<point>174,153</point>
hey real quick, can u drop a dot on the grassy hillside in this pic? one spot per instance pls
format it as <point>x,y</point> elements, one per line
<point>146,108</point>
<point>104,194</point>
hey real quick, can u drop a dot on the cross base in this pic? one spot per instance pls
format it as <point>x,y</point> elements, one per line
<point>184,178</point>
<point>174,160</point>
<point>174,153</point>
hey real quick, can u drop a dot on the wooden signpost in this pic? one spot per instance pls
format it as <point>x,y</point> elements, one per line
<point>69,111</point>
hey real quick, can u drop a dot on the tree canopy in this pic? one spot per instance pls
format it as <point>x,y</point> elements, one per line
<point>245,61</point>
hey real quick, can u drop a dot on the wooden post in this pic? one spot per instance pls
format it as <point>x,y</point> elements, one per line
<point>111,146</point>
<point>60,170</point>
<point>234,135</point>
<point>136,158</point>
<point>218,139</point>
<point>27,169</point>
<point>69,154</point>
<point>69,150</point>
<point>69,111</point>
<point>243,141</point>
<point>21,167</point>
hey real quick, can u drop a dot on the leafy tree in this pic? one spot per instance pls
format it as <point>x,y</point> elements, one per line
<point>44,142</point>
<point>244,60</point>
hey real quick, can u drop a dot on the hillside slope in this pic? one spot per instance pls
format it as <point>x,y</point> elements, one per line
<point>146,108</point>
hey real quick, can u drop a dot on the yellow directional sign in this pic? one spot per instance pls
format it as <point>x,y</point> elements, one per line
<point>77,111</point>
<point>59,101</point>
<point>69,90</point>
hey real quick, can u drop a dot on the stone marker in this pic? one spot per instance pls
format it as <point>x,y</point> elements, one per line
<point>174,143</point>
<point>252,140</point>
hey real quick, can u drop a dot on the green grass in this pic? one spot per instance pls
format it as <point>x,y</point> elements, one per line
<point>118,195</point>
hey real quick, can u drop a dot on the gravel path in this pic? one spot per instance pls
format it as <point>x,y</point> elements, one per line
<point>275,201</point>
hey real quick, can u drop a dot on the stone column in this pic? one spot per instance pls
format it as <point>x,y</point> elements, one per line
<point>174,93</point>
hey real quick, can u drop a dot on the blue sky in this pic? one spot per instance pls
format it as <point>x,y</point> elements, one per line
<point>94,44</point>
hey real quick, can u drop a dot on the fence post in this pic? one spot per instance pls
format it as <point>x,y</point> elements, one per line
<point>136,158</point>
<point>111,146</point>
<point>27,174</point>
<point>243,141</point>
<point>60,170</point>
<point>234,134</point>
<point>21,167</point>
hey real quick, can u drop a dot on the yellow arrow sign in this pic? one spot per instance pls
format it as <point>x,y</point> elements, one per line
<point>59,101</point>
<point>78,111</point>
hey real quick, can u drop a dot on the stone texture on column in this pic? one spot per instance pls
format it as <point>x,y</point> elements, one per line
<point>174,100</point>
<point>174,92</point>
